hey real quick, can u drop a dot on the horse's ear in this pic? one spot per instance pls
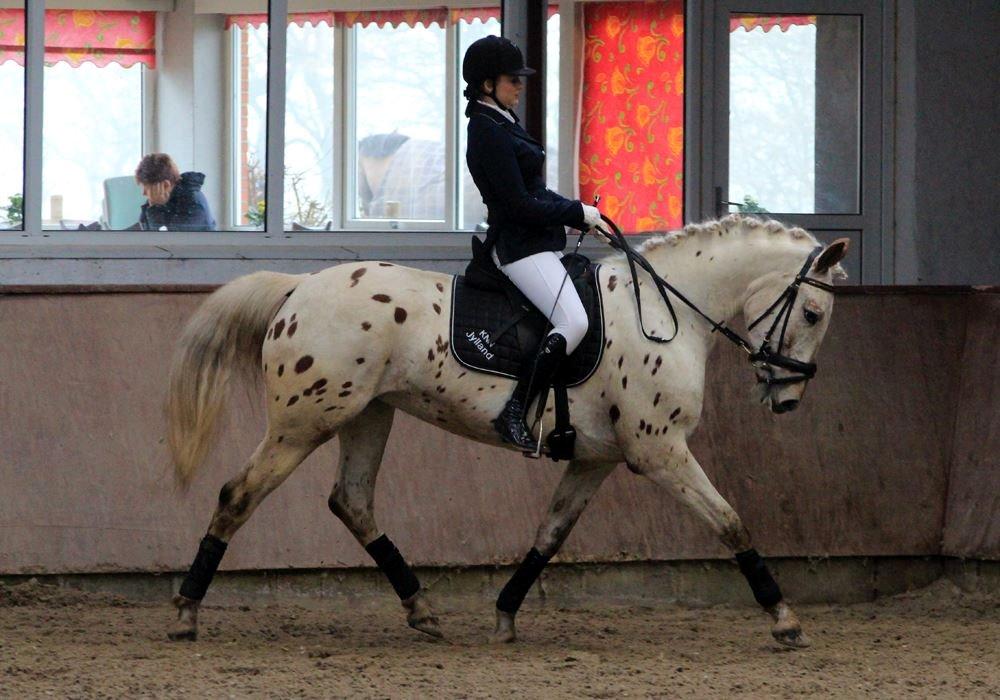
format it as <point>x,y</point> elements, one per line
<point>832,255</point>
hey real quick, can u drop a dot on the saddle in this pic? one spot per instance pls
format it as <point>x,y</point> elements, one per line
<point>496,330</point>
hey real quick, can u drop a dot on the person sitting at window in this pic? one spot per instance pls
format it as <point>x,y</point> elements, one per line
<point>175,200</point>
<point>400,177</point>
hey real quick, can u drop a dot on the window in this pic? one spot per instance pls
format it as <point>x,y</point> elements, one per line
<point>92,132</point>
<point>397,113</point>
<point>794,113</point>
<point>473,211</point>
<point>248,128</point>
<point>92,123</point>
<point>374,123</point>
<point>797,124</point>
<point>310,117</point>
<point>12,119</point>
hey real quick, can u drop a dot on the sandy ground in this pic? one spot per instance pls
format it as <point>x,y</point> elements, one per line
<point>63,643</point>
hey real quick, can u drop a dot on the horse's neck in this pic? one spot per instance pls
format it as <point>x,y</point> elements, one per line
<point>716,273</point>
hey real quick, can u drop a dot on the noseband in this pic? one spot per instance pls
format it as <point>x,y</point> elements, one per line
<point>764,357</point>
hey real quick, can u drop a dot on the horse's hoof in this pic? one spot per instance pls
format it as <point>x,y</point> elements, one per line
<point>787,629</point>
<point>794,638</point>
<point>427,625</point>
<point>505,632</point>
<point>186,627</point>
<point>421,617</point>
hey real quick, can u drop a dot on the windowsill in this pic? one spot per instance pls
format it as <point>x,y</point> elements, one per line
<point>324,245</point>
<point>249,245</point>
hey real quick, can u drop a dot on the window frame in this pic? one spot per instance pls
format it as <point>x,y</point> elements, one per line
<point>870,228</point>
<point>347,53</point>
<point>157,256</point>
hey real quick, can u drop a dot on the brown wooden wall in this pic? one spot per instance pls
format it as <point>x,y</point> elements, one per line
<point>893,452</point>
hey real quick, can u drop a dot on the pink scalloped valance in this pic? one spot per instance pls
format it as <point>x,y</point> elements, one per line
<point>782,22</point>
<point>78,36</point>
<point>426,17</point>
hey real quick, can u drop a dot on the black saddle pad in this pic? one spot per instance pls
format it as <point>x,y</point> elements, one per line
<point>496,330</point>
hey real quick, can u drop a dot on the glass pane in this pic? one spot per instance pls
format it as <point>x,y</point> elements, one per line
<point>92,132</point>
<point>309,126</point>
<point>12,117</point>
<point>473,211</point>
<point>472,214</point>
<point>249,125</point>
<point>794,119</point>
<point>552,103</point>
<point>399,122</point>
<point>192,159</point>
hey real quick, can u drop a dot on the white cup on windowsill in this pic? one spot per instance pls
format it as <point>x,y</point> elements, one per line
<point>56,207</point>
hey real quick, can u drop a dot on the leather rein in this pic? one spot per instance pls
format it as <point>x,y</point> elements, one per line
<point>763,357</point>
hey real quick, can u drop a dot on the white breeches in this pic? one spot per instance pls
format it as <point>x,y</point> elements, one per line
<point>539,278</point>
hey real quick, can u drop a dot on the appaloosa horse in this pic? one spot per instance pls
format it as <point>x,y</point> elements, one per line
<point>340,350</point>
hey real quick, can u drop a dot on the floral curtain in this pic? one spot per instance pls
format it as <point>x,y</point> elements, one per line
<point>632,116</point>
<point>78,36</point>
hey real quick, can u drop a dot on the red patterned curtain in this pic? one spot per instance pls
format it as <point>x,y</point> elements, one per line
<point>632,118</point>
<point>77,36</point>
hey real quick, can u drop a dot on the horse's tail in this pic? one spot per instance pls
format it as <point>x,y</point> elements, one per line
<point>224,335</point>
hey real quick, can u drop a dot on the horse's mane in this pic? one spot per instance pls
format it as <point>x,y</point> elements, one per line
<point>733,224</point>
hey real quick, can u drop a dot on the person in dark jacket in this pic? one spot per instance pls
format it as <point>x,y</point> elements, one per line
<point>175,200</point>
<point>526,220</point>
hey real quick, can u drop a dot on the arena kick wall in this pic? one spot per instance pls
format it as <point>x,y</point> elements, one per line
<point>893,452</point>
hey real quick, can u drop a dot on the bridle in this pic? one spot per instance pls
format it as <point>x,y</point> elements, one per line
<point>764,357</point>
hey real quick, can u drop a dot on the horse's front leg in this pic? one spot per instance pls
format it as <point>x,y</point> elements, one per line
<point>681,474</point>
<point>579,483</point>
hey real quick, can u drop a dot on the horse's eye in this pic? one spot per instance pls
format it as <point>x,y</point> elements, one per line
<point>812,318</point>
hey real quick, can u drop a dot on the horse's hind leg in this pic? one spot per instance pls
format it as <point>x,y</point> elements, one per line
<point>685,479</point>
<point>362,444</point>
<point>274,459</point>
<point>578,485</point>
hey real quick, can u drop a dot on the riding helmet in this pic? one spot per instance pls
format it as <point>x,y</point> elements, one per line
<point>489,57</point>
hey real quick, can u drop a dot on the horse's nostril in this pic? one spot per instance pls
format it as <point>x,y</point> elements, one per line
<point>786,406</point>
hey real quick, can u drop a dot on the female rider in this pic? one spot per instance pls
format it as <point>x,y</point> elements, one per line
<point>526,220</point>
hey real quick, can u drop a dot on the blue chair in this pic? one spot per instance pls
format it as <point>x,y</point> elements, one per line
<point>123,202</point>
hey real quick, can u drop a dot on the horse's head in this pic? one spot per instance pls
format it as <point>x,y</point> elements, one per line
<point>787,316</point>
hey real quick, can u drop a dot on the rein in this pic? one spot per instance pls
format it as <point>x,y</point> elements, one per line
<point>763,357</point>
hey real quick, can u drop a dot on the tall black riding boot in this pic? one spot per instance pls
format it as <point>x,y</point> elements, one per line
<point>511,423</point>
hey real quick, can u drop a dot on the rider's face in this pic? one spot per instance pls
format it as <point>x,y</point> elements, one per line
<point>508,90</point>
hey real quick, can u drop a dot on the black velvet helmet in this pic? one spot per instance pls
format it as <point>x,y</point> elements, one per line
<point>488,58</point>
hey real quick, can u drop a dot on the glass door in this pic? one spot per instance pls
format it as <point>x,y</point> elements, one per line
<point>797,119</point>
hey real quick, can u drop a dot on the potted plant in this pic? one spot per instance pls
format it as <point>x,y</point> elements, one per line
<point>14,211</point>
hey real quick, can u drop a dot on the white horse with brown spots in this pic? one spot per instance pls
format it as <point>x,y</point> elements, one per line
<point>341,350</point>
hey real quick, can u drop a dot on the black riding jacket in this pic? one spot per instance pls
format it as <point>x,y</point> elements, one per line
<point>508,167</point>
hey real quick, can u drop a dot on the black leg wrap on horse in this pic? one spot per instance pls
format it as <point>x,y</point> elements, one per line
<point>764,588</point>
<point>395,568</point>
<point>210,553</point>
<point>517,588</point>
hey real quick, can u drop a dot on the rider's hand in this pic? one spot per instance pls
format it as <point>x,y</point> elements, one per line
<point>591,216</point>
<point>600,235</point>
